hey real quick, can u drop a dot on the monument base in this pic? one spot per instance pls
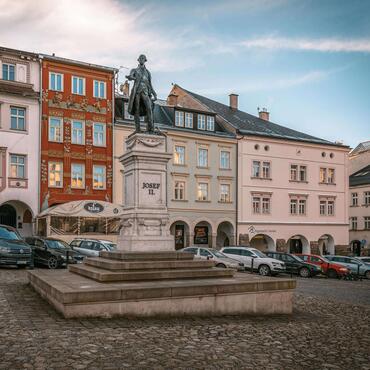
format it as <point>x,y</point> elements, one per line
<point>135,243</point>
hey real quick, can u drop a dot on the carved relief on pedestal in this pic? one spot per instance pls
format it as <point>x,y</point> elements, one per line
<point>148,142</point>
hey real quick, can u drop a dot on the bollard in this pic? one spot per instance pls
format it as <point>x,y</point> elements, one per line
<point>358,272</point>
<point>67,258</point>
<point>252,265</point>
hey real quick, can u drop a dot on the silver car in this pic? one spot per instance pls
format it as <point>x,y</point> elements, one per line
<point>92,247</point>
<point>221,260</point>
<point>355,264</point>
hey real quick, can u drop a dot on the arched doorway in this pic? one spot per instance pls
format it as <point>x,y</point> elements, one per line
<point>180,230</point>
<point>299,244</point>
<point>8,215</point>
<point>203,234</point>
<point>326,244</point>
<point>225,234</point>
<point>356,247</point>
<point>263,243</point>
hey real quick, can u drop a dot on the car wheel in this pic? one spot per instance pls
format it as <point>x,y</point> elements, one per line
<point>304,272</point>
<point>52,263</point>
<point>221,265</point>
<point>264,270</point>
<point>332,274</point>
<point>367,274</point>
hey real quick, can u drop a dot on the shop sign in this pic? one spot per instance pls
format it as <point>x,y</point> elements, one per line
<point>94,207</point>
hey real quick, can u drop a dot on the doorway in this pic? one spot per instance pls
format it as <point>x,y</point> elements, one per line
<point>8,215</point>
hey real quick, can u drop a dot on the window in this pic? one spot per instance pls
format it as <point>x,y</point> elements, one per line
<point>17,118</point>
<point>179,118</point>
<point>203,191</point>
<point>127,115</point>
<point>265,205</point>
<point>354,199</point>
<point>302,206</point>
<point>17,166</point>
<point>256,169</point>
<point>202,157</point>
<point>189,120</point>
<point>201,122</point>
<point>353,221</point>
<point>179,155</point>
<point>331,174</point>
<point>55,129</point>
<point>210,123</point>
<point>322,207</point>
<point>225,193</point>
<point>293,206</point>
<point>298,173</point>
<point>179,193</point>
<point>56,174</point>
<point>99,138</point>
<point>367,198</point>
<point>98,177</point>
<point>367,222</point>
<point>331,208</point>
<point>56,81</point>
<point>225,160</point>
<point>78,85</point>
<point>266,170</point>
<point>99,89</point>
<point>77,175</point>
<point>323,177</point>
<point>78,136</point>
<point>8,72</point>
<point>256,204</point>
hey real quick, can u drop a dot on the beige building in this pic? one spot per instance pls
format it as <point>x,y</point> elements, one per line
<point>201,191</point>
<point>359,199</point>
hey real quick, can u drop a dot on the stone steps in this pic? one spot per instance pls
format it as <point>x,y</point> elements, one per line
<point>114,264</point>
<point>103,275</point>
<point>147,256</point>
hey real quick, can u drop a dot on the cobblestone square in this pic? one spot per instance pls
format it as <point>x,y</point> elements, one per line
<point>328,330</point>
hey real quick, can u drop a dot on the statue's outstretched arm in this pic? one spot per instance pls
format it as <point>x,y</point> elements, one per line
<point>131,76</point>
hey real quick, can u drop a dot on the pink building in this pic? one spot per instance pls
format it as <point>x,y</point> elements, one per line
<point>292,187</point>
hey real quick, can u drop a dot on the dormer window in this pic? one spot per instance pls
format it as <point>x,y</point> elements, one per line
<point>201,122</point>
<point>189,120</point>
<point>8,72</point>
<point>210,123</point>
<point>179,118</point>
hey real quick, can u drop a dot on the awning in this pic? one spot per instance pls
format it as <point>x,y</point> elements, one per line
<point>84,208</point>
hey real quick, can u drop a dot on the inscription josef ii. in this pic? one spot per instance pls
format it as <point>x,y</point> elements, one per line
<point>151,186</point>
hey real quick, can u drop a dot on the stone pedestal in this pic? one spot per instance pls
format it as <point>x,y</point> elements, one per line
<point>145,224</point>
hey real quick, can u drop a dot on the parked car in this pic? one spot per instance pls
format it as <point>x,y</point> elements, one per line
<point>332,270</point>
<point>221,260</point>
<point>364,259</point>
<point>13,249</point>
<point>263,264</point>
<point>353,263</point>
<point>295,265</point>
<point>92,247</point>
<point>51,252</point>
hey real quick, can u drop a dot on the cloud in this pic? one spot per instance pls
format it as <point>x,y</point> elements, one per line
<point>323,44</point>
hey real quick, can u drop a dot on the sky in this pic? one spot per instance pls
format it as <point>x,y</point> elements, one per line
<point>305,61</point>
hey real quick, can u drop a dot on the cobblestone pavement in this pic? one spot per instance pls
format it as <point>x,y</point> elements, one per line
<point>323,333</point>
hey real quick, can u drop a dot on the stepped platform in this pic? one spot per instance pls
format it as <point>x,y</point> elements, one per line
<point>159,284</point>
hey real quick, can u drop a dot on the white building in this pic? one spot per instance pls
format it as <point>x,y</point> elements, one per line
<point>19,138</point>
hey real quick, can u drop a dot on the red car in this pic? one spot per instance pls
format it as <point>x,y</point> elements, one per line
<point>332,270</point>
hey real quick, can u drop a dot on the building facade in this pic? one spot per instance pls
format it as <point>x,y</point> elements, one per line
<point>19,138</point>
<point>359,199</point>
<point>201,177</point>
<point>292,187</point>
<point>76,132</point>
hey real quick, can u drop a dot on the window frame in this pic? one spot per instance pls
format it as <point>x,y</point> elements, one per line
<point>104,134</point>
<point>17,116</point>
<point>73,121</point>
<point>61,81</point>
<point>199,157</point>
<point>83,85</point>
<point>201,122</point>
<point>178,190</point>
<point>179,114</point>
<point>99,84</point>
<point>18,165</point>
<point>61,129</point>
<point>61,173</point>
<point>227,197</point>
<point>8,72</point>
<point>210,121</point>
<point>228,160</point>
<point>366,222</point>
<point>105,177</point>
<point>189,114</point>
<point>175,155</point>
<point>199,183</point>
<point>83,175</point>
<point>354,199</point>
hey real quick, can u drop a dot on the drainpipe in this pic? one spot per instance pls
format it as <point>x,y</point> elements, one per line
<point>115,73</point>
<point>238,138</point>
<point>40,137</point>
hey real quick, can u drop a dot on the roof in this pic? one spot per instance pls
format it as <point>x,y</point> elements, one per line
<point>361,177</point>
<point>362,147</point>
<point>19,53</point>
<point>247,124</point>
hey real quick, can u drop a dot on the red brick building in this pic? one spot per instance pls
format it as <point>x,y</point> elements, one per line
<point>76,131</point>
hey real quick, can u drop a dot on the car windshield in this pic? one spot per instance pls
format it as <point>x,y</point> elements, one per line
<point>218,254</point>
<point>259,253</point>
<point>9,234</point>
<point>57,244</point>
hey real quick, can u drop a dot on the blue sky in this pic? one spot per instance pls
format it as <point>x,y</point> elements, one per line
<point>307,62</point>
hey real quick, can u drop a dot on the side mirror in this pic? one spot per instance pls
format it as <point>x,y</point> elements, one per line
<point>209,257</point>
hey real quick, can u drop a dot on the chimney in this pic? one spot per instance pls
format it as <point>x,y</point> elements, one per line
<point>264,114</point>
<point>233,101</point>
<point>172,99</point>
<point>125,89</point>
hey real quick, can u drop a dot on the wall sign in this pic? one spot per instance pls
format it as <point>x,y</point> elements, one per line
<point>94,207</point>
<point>201,235</point>
<point>151,186</point>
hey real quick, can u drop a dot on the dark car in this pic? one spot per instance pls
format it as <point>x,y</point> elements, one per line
<point>51,252</point>
<point>295,265</point>
<point>13,249</point>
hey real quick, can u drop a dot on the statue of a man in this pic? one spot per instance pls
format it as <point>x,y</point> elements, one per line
<point>142,96</point>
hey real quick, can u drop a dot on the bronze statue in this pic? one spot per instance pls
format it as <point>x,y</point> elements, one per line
<point>142,96</point>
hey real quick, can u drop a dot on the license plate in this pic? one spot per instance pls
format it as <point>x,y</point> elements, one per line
<point>21,262</point>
